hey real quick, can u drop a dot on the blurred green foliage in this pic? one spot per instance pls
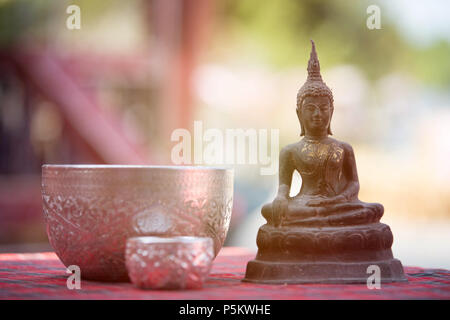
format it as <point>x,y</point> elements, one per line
<point>273,33</point>
<point>279,31</point>
<point>432,64</point>
<point>35,20</point>
<point>19,19</point>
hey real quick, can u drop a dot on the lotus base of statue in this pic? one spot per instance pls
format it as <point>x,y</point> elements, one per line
<point>324,255</point>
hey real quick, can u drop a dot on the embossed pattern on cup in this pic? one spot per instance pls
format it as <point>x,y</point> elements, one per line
<point>169,263</point>
<point>91,210</point>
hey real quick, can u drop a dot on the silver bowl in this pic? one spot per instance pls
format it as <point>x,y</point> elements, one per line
<point>91,210</point>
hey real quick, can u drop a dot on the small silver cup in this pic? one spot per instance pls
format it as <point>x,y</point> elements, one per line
<point>169,262</point>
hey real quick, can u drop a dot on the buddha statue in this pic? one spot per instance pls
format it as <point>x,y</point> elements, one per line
<point>324,234</point>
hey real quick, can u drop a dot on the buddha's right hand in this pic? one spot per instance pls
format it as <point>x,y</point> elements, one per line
<point>279,209</point>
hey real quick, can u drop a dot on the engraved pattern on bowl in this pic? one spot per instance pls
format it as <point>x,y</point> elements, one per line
<point>90,211</point>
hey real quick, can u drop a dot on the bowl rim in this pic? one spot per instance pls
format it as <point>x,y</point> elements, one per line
<point>132,166</point>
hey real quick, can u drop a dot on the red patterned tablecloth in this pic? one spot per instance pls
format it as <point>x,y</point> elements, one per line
<point>43,276</point>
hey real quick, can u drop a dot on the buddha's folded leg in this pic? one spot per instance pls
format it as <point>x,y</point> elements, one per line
<point>301,211</point>
<point>297,213</point>
<point>293,210</point>
<point>340,214</point>
<point>351,206</point>
<point>370,214</point>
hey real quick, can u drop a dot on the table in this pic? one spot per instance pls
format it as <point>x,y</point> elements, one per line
<point>43,276</point>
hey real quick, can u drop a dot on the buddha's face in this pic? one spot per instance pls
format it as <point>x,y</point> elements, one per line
<point>315,114</point>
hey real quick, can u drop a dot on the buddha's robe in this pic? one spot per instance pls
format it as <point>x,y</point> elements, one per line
<point>328,169</point>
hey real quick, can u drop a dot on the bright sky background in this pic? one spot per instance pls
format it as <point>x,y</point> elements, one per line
<point>421,21</point>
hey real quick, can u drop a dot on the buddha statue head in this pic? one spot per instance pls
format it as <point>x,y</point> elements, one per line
<point>314,101</point>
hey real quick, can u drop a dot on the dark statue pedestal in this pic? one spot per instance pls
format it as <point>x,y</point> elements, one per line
<point>323,255</point>
<point>267,272</point>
